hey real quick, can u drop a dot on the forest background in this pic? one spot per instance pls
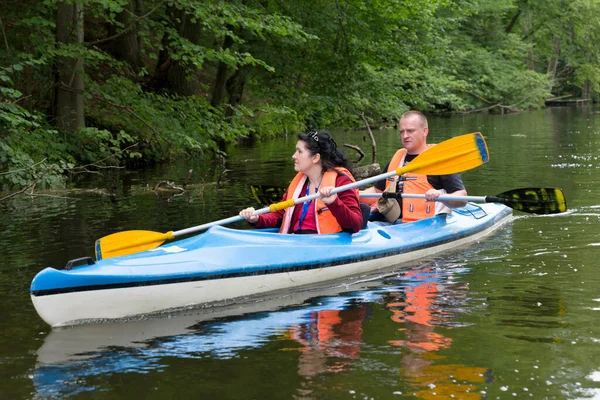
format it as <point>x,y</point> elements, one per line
<point>86,85</point>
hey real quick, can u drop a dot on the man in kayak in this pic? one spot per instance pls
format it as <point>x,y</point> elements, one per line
<point>413,130</point>
<point>320,168</point>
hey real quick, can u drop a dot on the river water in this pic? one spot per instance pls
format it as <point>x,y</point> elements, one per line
<point>514,316</point>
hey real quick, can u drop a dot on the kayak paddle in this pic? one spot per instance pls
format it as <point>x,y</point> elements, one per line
<point>451,156</point>
<point>529,200</point>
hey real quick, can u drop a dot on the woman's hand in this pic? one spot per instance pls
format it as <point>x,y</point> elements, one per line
<point>247,215</point>
<point>326,196</point>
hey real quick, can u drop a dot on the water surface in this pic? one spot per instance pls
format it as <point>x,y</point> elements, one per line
<point>512,316</point>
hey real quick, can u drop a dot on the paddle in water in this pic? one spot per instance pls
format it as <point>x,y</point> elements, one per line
<point>530,200</point>
<point>451,156</point>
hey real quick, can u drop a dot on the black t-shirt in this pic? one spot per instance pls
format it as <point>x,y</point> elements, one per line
<point>450,183</point>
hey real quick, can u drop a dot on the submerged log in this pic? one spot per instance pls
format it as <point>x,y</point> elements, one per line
<point>366,171</point>
<point>168,187</point>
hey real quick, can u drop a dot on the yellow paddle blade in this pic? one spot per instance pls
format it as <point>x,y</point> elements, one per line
<point>561,201</point>
<point>452,156</point>
<point>128,242</point>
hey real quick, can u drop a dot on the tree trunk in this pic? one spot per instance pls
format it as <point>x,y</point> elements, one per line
<point>530,61</point>
<point>176,76</point>
<point>218,93</point>
<point>235,88</point>
<point>222,84</point>
<point>69,72</point>
<point>182,75</point>
<point>139,10</point>
<point>585,90</point>
<point>159,78</point>
<point>553,62</point>
<point>513,21</point>
<point>126,47</point>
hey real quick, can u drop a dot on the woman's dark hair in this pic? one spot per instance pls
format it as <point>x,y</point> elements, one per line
<point>321,142</point>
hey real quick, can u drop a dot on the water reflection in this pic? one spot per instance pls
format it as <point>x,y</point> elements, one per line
<point>329,335</point>
<point>425,303</point>
<point>329,339</point>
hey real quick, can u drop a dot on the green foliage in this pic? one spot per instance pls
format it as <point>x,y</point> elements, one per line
<point>98,147</point>
<point>33,158</point>
<point>487,77</point>
<point>297,65</point>
<point>26,157</point>
<point>270,121</point>
<point>588,72</point>
<point>164,126</point>
<point>14,118</point>
<point>20,170</point>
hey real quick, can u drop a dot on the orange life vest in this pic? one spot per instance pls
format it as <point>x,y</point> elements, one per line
<point>325,221</point>
<point>415,209</point>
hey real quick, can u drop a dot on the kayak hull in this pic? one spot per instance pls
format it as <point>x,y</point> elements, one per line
<point>224,265</point>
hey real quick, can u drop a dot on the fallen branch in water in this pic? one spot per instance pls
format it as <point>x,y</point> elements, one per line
<point>95,164</point>
<point>499,105</point>
<point>360,152</point>
<point>373,143</point>
<point>30,186</point>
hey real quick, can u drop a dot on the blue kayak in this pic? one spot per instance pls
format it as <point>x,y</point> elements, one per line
<point>223,265</point>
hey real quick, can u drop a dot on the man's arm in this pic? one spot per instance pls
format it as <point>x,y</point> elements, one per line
<point>451,185</point>
<point>433,194</point>
<point>370,200</point>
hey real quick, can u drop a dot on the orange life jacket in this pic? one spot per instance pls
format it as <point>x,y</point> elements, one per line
<point>415,209</point>
<point>325,221</point>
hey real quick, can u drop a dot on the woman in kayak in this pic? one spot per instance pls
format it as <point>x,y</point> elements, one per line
<point>321,167</point>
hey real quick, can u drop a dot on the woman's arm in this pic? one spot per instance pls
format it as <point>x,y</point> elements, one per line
<point>268,220</point>
<point>346,208</point>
